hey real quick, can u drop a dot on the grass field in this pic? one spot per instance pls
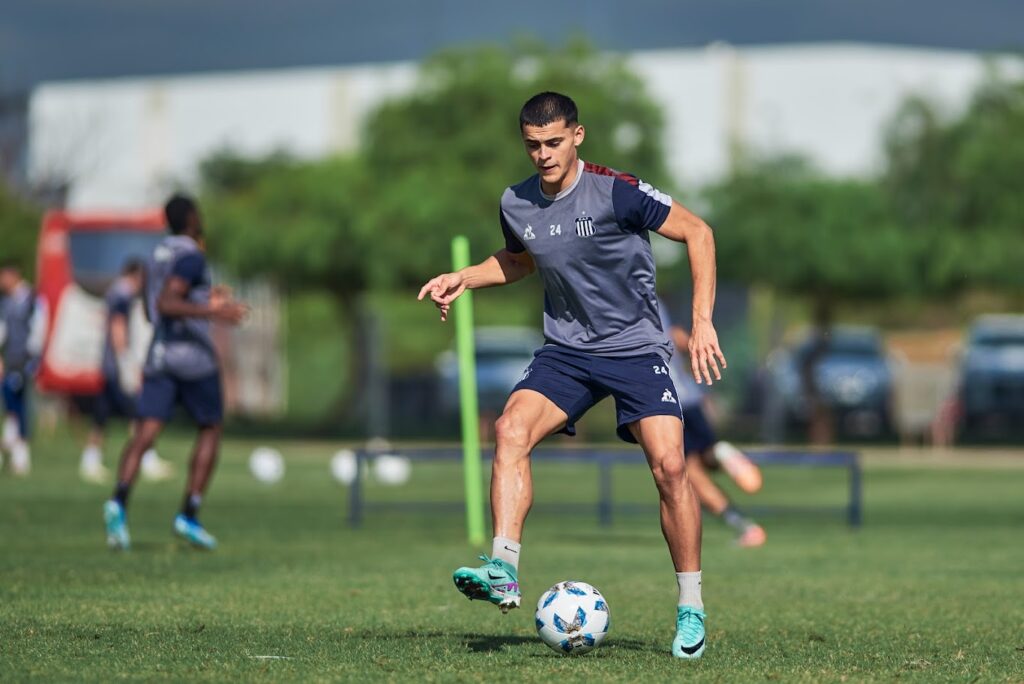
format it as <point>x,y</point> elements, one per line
<point>931,589</point>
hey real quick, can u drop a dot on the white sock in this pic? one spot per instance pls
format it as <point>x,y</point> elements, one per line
<point>689,589</point>
<point>92,456</point>
<point>21,460</point>
<point>11,432</point>
<point>507,550</point>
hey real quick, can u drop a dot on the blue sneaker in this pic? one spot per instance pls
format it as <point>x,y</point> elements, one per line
<point>495,581</point>
<point>689,641</point>
<point>117,527</point>
<point>195,534</point>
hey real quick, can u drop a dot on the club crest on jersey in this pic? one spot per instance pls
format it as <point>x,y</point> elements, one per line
<point>585,226</point>
<point>528,233</point>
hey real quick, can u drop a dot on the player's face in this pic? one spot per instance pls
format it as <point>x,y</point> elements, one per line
<point>8,280</point>
<point>552,149</point>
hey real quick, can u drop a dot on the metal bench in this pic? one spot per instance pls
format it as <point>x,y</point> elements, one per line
<point>605,459</point>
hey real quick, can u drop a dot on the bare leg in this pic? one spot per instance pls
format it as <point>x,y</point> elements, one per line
<point>709,494</point>
<point>528,418</point>
<point>204,459</point>
<point>662,440</point>
<point>141,440</point>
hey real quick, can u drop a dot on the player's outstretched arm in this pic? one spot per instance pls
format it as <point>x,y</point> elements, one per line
<point>502,268</point>
<point>682,225</point>
<point>173,302</point>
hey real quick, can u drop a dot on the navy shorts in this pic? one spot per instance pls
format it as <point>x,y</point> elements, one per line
<point>112,401</point>
<point>698,435</point>
<point>201,398</point>
<point>15,403</point>
<point>575,381</point>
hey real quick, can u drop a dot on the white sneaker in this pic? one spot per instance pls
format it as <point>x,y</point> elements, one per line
<point>156,468</point>
<point>94,472</point>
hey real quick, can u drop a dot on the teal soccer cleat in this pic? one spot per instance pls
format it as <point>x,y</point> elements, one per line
<point>689,641</point>
<point>495,581</point>
<point>117,526</point>
<point>195,534</point>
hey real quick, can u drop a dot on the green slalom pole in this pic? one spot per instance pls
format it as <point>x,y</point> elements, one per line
<point>472,472</point>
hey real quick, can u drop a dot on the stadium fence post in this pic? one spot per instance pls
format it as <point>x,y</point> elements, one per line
<point>464,342</point>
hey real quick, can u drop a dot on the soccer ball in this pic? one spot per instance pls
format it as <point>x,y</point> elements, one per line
<point>391,470</point>
<point>266,464</point>
<point>343,466</point>
<point>572,617</point>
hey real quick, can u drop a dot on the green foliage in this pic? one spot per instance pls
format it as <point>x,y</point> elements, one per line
<point>783,225</point>
<point>19,225</point>
<point>946,216</point>
<point>294,221</point>
<point>955,185</point>
<point>432,164</point>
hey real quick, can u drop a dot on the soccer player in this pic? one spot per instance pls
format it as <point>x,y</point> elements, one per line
<point>704,452</point>
<point>122,378</point>
<point>22,330</point>
<point>585,228</point>
<point>181,368</point>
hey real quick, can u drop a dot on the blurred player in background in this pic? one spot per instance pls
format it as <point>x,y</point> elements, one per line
<point>22,332</point>
<point>586,229</point>
<point>704,452</point>
<point>122,378</point>
<point>181,368</point>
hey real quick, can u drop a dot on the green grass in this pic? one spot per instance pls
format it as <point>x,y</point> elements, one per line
<point>931,589</point>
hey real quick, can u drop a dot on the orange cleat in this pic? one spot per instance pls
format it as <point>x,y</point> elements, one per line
<point>741,469</point>
<point>752,537</point>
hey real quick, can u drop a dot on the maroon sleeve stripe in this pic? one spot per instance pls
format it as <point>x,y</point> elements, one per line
<point>605,171</point>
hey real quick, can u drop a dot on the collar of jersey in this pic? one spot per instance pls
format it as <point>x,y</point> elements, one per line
<point>554,198</point>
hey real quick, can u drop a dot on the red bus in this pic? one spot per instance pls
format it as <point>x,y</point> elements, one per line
<point>80,254</point>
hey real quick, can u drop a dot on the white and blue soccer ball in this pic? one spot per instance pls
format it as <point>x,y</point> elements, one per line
<point>572,617</point>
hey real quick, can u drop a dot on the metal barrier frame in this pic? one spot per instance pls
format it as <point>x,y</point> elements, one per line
<point>604,459</point>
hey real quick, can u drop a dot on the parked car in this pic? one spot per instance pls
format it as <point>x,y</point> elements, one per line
<point>992,372</point>
<point>502,354</point>
<point>853,374</point>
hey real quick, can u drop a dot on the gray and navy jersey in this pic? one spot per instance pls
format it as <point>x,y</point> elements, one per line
<point>181,347</point>
<point>16,313</point>
<point>118,298</point>
<point>591,247</point>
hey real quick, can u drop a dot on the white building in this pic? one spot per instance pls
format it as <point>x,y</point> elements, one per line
<point>123,142</point>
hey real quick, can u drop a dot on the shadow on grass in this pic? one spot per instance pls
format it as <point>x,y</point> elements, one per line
<point>491,643</point>
<point>484,643</point>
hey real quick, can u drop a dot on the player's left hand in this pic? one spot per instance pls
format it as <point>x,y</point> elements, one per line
<point>705,354</point>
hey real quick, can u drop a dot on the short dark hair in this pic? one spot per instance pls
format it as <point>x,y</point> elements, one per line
<point>548,107</point>
<point>132,265</point>
<point>177,210</point>
<point>9,264</point>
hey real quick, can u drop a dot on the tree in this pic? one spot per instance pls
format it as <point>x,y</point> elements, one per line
<point>19,225</point>
<point>955,184</point>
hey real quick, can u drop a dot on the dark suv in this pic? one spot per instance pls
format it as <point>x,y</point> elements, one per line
<point>852,374</point>
<point>992,372</point>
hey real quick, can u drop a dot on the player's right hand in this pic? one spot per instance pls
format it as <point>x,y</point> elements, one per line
<point>443,290</point>
<point>228,311</point>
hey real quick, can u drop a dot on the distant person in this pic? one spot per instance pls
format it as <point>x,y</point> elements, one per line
<point>122,379</point>
<point>181,368</point>
<point>22,331</point>
<point>704,452</point>
<point>586,230</point>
